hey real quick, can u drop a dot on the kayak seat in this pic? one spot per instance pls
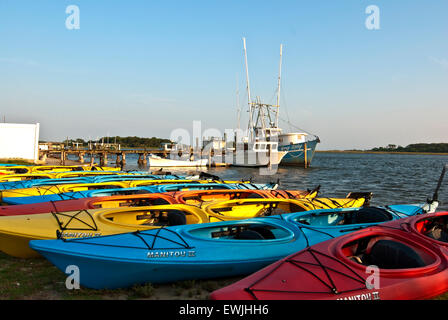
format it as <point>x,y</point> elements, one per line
<point>137,191</point>
<point>438,233</point>
<point>255,233</point>
<point>176,218</point>
<point>254,196</point>
<point>265,233</point>
<point>172,218</point>
<point>249,235</point>
<point>367,215</point>
<point>388,254</point>
<point>158,202</point>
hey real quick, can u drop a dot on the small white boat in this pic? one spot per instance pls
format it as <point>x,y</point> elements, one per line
<point>156,161</point>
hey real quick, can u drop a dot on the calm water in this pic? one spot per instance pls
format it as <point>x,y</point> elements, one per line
<point>393,178</point>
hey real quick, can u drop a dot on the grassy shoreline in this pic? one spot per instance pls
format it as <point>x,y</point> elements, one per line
<point>38,279</point>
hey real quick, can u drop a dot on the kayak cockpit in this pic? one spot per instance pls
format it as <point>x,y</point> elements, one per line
<point>387,252</point>
<point>248,208</point>
<point>435,227</point>
<point>242,231</point>
<point>157,216</point>
<point>119,192</point>
<point>214,195</point>
<point>345,217</point>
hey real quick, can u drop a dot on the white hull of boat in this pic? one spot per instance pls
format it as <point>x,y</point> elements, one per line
<point>160,162</point>
<point>253,159</point>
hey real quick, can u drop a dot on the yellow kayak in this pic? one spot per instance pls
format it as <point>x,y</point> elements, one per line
<point>75,174</point>
<point>59,175</point>
<point>249,208</point>
<point>26,176</point>
<point>72,168</point>
<point>17,231</point>
<point>62,188</point>
<point>199,197</point>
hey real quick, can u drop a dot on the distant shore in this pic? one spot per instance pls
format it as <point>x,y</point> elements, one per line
<point>381,152</point>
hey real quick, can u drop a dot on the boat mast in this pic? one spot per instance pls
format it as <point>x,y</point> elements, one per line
<point>238,103</point>
<point>248,90</point>
<point>278,87</point>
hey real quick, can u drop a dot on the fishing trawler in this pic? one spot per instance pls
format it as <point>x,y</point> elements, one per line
<point>299,146</point>
<point>264,139</point>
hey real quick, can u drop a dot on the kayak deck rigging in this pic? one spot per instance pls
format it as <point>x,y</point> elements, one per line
<point>314,266</point>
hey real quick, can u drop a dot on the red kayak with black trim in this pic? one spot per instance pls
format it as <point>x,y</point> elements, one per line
<point>134,200</point>
<point>405,259</point>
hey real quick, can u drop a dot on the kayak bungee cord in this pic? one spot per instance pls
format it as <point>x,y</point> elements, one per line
<point>301,226</point>
<point>72,195</point>
<point>416,212</point>
<point>74,217</point>
<point>20,184</point>
<point>275,193</point>
<point>330,284</point>
<point>48,190</point>
<point>186,245</point>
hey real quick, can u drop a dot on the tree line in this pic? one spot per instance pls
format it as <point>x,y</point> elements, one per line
<point>124,142</point>
<point>416,147</point>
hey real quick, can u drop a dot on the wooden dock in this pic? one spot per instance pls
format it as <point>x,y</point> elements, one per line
<point>119,155</point>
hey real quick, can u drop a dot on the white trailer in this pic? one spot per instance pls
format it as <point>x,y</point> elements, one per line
<point>19,141</point>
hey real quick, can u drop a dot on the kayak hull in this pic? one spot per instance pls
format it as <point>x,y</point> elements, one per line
<point>17,245</point>
<point>140,273</point>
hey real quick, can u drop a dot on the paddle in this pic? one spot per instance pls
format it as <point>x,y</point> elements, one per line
<point>435,197</point>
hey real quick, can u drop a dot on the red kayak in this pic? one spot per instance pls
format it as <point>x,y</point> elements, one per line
<point>410,255</point>
<point>133,200</point>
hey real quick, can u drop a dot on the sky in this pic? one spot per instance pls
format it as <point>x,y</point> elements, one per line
<point>146,68</point>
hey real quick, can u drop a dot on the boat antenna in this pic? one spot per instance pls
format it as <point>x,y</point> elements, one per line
<point>278,87</point>
<point>435,197</point>
<point>248,87</point>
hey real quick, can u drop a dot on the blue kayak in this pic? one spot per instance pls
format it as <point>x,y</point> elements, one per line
<point>134,190</point>
<point>41,182</point>
<point>212,250</point>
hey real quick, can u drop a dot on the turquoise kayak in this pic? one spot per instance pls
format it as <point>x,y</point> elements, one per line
<point>212,250</point>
